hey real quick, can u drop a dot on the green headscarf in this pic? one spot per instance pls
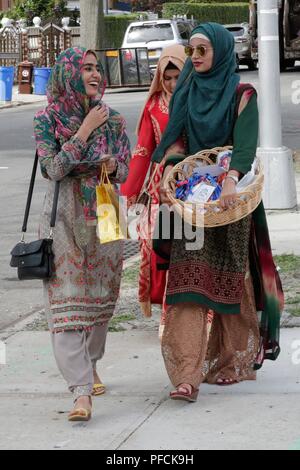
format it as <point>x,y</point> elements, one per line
<point>203,104</point>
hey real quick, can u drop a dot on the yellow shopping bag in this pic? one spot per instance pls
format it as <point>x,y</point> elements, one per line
<point>111,220</point>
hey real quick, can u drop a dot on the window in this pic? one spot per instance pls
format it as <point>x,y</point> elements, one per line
<point>183,31</point>
<point>236,31</point>
<point>150,32</point>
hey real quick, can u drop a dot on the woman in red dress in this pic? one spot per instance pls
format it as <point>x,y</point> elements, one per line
<point>151,126</point>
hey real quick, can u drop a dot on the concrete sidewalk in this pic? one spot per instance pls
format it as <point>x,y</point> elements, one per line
<point>20,100</point>
<point>136,412</point>
<point>284,226</point>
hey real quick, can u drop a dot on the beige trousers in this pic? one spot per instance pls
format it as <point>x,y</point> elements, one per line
<point>77,354</point>
<point>192,356</point>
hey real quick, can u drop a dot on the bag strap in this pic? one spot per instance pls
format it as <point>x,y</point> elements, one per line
<point>29,200</point>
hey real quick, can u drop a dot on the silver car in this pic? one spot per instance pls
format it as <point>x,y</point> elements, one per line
<point>156,35</point>
<point>243,42</point>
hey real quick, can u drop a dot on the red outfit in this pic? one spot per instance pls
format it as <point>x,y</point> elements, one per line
<point>151,126</point>
<point>152,283</point>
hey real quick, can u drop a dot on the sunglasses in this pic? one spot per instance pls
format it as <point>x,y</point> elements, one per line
<point>201,50</point>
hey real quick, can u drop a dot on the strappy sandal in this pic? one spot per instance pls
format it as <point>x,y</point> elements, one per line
<point>80,415</point>
<point>185,394</point>
<point>98,389</point>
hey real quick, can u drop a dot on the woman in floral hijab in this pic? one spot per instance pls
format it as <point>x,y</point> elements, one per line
<point>75,135</point>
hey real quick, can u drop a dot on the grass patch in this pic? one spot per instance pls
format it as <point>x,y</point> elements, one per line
<point>295,311</point>
<point>290,276</point>
<point>288,263</point>
<point>293,301</point>
<point>115,324</point>
<point>131,275</point>
<point>297,161</point>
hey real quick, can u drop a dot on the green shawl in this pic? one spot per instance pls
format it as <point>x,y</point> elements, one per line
<point>203,104</point>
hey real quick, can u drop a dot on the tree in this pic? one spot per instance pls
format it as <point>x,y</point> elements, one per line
<point>147,5</point>
<point>45,9</point>
<point>92,28</point>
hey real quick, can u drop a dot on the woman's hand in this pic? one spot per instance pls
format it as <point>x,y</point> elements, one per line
<point>96,117</point>
<point>164,199</point>
<point>110,163</point>
<point>229,194</point>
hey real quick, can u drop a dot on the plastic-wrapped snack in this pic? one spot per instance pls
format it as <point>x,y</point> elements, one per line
<point>224,159</point>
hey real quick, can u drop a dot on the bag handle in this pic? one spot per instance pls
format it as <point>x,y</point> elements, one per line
<point>29,200</point>
<point>104,178</point>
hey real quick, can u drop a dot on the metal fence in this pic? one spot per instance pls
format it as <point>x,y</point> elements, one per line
<point>126,67</point>
<point>10,46</point>
<point>36,44</point>
<point>42,45</point>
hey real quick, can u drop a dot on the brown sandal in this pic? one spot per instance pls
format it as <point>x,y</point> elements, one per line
<point>185,394</point>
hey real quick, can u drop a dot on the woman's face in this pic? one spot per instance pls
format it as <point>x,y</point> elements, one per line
<point>202,63</point>
<point>91,75</point>
<point>170,79</point>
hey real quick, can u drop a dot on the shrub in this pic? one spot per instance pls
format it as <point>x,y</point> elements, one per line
<point>224,13</point>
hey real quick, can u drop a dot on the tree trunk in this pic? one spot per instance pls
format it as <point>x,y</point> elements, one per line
<point>92,24</point>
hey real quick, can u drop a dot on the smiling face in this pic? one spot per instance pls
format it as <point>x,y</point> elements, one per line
<point>91,75</point>
<point>202,63</point>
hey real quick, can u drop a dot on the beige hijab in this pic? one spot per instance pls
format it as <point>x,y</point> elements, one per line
<point>177,56</point>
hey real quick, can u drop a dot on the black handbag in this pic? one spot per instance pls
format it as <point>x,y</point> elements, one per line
<point>35,260</point>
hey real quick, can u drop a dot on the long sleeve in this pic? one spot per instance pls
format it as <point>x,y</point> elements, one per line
<point>56,163</point>
<point>122,152</point>
<point>245,138</point>
<point>141,159</point>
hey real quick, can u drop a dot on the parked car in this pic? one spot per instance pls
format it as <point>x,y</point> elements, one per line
<point>243,41</point>
<point>156,35</point>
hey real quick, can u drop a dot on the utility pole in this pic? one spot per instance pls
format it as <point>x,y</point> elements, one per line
<point>92,29</point>
<point>280,186</point>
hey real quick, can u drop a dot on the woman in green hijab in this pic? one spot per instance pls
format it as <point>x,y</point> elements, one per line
<point>233,273</point>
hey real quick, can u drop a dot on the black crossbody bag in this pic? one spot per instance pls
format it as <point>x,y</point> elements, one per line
<point>35,260</point>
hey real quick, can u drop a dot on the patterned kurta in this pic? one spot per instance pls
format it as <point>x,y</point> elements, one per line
<point>86,282</point>
<point>84,288</point>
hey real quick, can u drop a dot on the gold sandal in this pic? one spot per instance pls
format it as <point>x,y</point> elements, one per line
<point>80,415</point>
<point>98,389</point>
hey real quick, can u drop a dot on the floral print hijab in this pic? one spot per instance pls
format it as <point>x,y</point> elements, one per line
<point>68,102</point>
<point>68,105</point>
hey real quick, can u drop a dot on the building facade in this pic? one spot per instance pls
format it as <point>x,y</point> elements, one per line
<point>6,4</point>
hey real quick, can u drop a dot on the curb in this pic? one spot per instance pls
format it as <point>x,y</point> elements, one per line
<point>19,103</point>
<point>110,91</point>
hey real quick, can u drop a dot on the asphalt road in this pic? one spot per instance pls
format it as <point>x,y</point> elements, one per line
<point>16,157</point>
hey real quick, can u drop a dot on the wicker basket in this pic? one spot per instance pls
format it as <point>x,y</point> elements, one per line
<point>211,214</point>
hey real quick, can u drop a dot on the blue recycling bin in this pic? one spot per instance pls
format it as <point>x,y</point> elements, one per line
<point>41,77</point>
<point>6,83</point>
